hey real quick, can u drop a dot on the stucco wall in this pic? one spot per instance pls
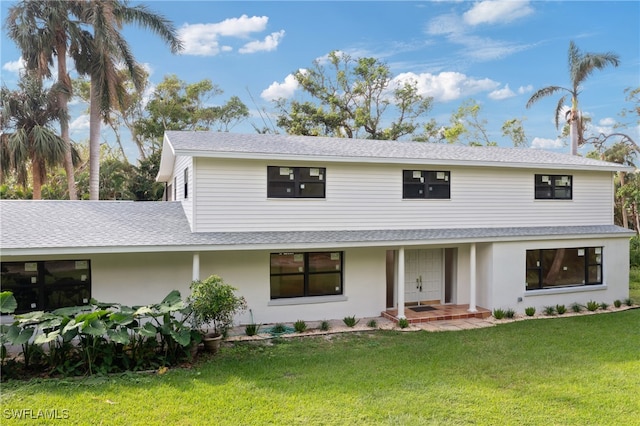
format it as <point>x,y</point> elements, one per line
<point>509,262</point>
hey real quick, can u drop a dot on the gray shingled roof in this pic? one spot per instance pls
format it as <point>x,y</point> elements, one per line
<point>193,143</point>
<point>40,227</point>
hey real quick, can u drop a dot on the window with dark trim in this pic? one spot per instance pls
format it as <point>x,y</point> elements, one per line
<point>47,285</point>
<point>426,184</point>
<point>175,188</point>
<point>186,182</point>
<point>296,182</point>
<point>306,274</point>
<point>553,187</point>
<point>564,267</point>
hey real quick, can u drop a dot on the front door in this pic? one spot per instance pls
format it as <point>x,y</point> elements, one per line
<point>423,275</point>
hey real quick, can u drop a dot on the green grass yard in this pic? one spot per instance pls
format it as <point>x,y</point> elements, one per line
<point>569,371</point>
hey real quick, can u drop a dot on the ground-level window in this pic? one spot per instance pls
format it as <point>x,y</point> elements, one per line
<point>306,274</point>
<point>563,267</point>
<point>47,285</point>
<point>426,184</point>
<point>553,187</point>
<point>296,182</point>
<point>186,183</point>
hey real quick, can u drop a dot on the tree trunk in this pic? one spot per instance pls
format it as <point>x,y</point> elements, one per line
<point>94,142</point>
<point>36,171</point>
<point>63,97</point>
<point>573,131</point>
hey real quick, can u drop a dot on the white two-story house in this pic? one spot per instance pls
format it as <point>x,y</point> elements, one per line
<point>319,228</point>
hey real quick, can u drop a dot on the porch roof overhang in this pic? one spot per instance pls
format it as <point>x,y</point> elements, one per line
<point>41,228</point>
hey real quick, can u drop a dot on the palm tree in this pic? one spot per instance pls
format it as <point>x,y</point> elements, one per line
<point>581,65</point>
<point>42,29</point>
<point>99,55</point>
<point>28,113</point>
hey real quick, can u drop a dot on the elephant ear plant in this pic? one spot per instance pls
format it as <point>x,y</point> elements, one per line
<point>214,302</point>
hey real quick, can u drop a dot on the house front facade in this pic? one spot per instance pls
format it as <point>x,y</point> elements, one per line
<point>318,228</point>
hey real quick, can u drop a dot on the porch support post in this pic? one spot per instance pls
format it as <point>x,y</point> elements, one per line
<point>400,283</point>
<point>472,278</point>
<point>195,274</point>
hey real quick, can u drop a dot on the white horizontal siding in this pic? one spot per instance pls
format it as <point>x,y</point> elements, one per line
<point>178,173</point>
<point>232,196</point>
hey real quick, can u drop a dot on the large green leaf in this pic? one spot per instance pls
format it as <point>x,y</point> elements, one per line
<point>95,327</point>
<point>122,318</point>
<point>171,303</point>
<point>46,337</point>
<point>183,337</point>
<point>148,330</point>
<point>119,336</point>
<point>8,302</point>
<point>72,311</point>
<point>17,336</point>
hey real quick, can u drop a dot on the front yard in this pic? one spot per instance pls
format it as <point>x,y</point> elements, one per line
<point>570,371</point>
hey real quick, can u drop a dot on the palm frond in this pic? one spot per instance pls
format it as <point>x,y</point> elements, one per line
<point>559,108</point>
<point>543,93</point>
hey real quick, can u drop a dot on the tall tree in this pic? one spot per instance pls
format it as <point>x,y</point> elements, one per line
<point>101,53</point>
<point>27,137</point>
<point>355,96</point>
<point>581,66</point>
<point>178,105</point>
<point>43,29</point>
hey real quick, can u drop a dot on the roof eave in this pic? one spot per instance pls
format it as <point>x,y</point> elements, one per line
<point>167,160</point>
<point>394,160</point>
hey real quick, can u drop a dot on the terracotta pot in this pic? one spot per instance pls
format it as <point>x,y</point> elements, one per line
<point>212,342</point>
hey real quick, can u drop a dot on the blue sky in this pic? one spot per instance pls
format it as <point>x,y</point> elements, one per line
<point>495,52</point>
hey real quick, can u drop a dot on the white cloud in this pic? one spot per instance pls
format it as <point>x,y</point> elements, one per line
<point>542,143</point>
<point>445,24</point>
<point>607,121</point>
<point>496,11</point>
<point>525,89</point>
<point>14,66</point>
<point>80,123</point>
<point>447,86</point>
<point>277,90</point>
<point>269,43</point>
<point>500,94</point>
<point>204,39</point>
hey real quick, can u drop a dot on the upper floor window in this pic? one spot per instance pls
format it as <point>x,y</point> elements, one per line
<point>47,285</point>
<point>426,184</point>
<point>186,182</point>
<point>296,182</point>
<point>306,274</point>
<point>563,267</point>
<point>553,187</point>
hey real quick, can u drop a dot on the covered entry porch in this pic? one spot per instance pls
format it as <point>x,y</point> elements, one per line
<point>431,283</point>
<point>416,314</point>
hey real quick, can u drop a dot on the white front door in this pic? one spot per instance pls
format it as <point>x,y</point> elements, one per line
<point>423,275</point>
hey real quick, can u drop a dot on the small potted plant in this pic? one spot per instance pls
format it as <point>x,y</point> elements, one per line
<point>214,303</point>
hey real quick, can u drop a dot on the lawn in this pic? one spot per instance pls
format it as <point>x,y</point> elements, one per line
<point>634,284</point>
<point>570,371</point>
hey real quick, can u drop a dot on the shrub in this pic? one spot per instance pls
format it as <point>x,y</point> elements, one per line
<point>251,329</point>
<point>372,323</point>
<point>299,326</point>
<point>592,305</point>
<point>576,307</point>
<point>403,323</point>
<point>278,328</point>
<point>498,313</point>
<point>509,313</point>
<point>530,311</point>
<point>604,305</point>
<point>214,302</point>
<point>634,252</point>
<point>561,309</point>
<point>628,301</point>
<point>324,325</point>
<point>550,310</point>
<point>350,321</point>
<point>617,303</point>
